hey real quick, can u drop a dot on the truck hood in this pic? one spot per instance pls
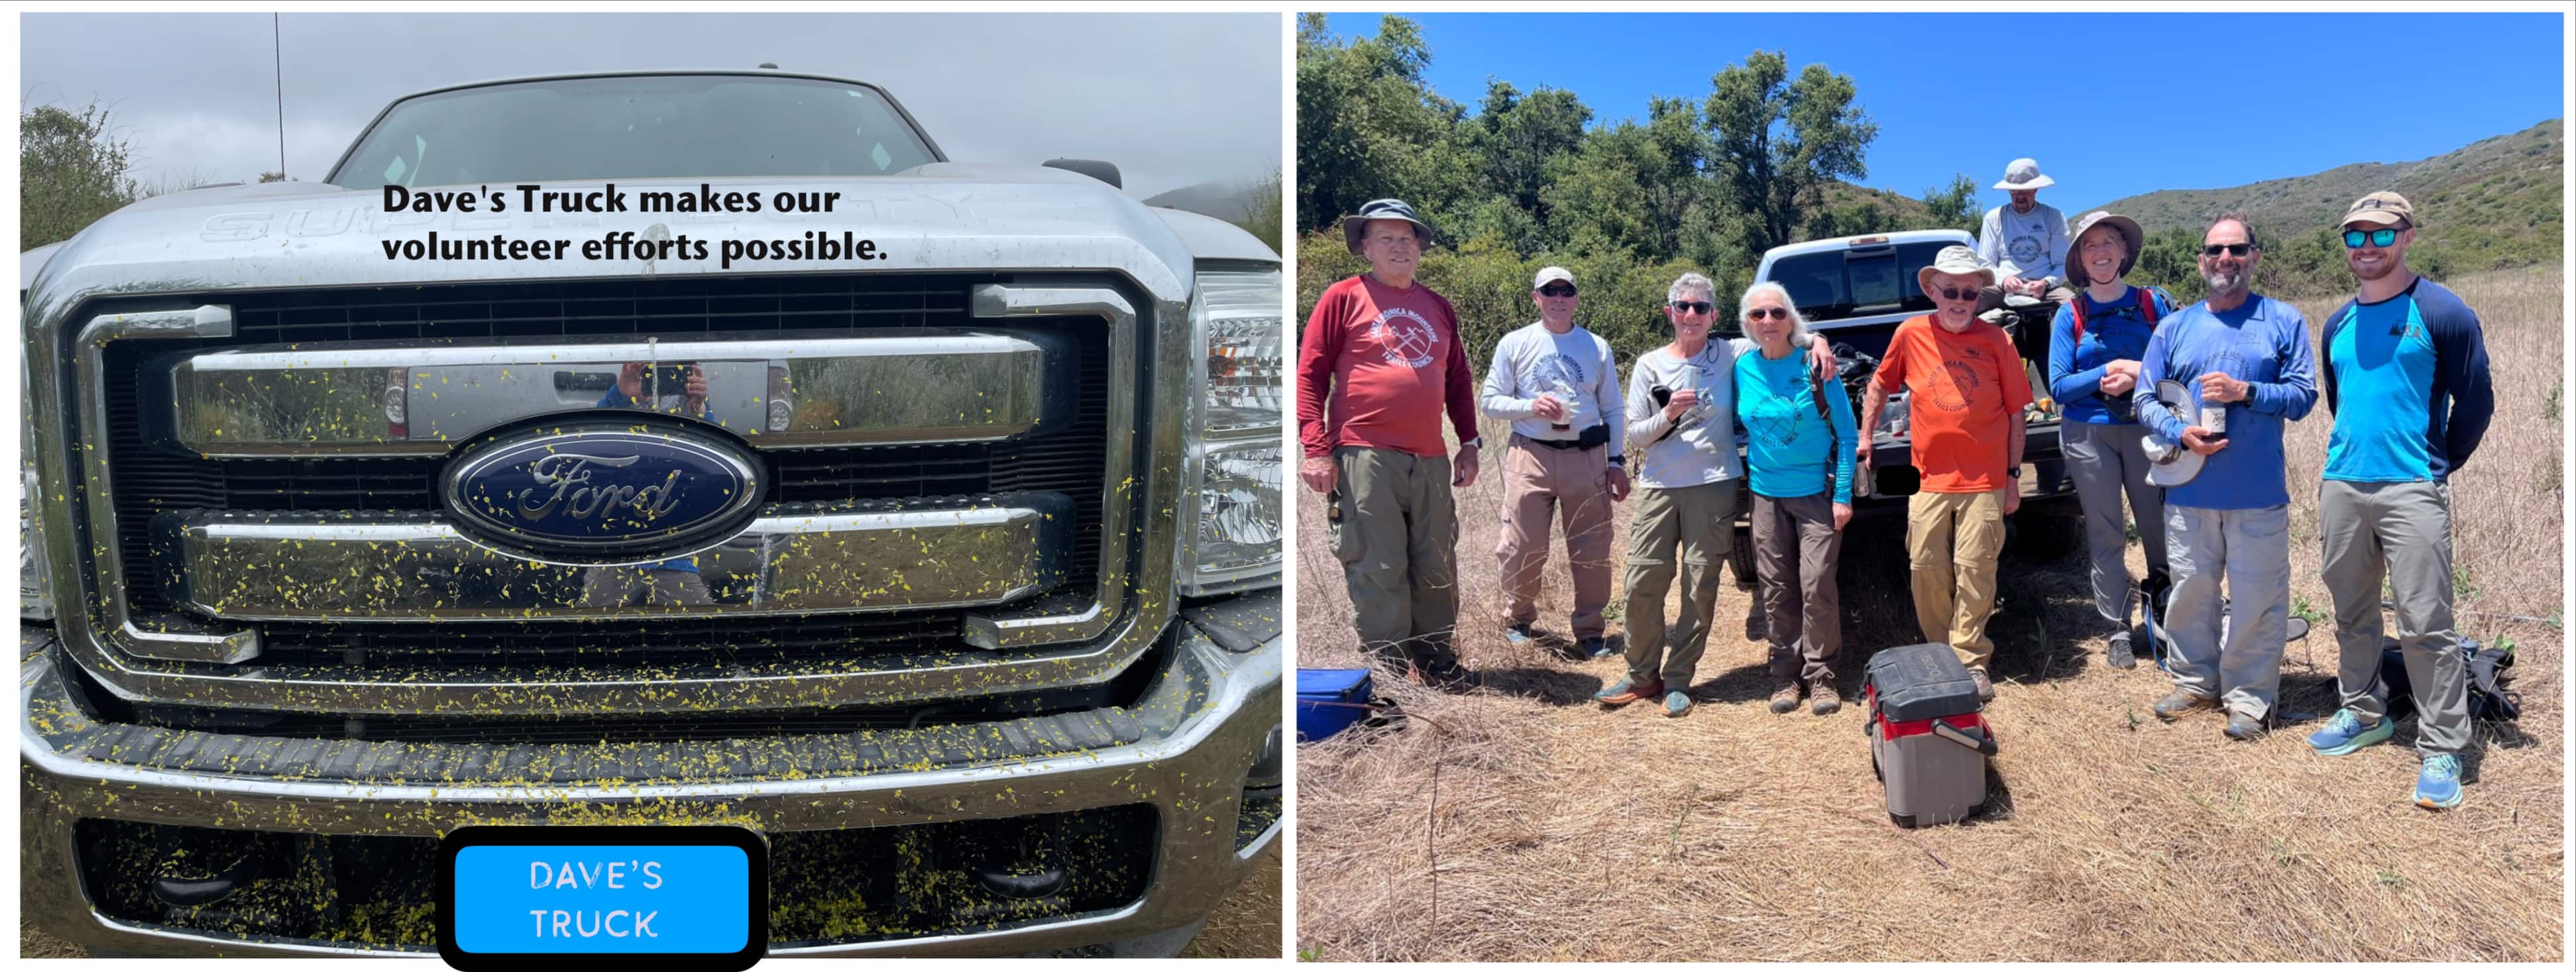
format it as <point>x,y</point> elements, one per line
<point>944,216</point>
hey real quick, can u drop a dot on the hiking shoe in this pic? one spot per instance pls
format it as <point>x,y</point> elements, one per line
<point>1628,691</point>
<point>2437,786</point>
<point>2296,629</point>
<point>1785,697</point>
<point>2118,653</point>
<point>1440,669</point>
<point>1519,635</point>
<point>1823,700</point>
<point>2345,733</point>
<point>1985,684</point>
<point>1676,702</point>
<point>2181,702</point>
<point>2245,728</point>
<point>1595,646</point>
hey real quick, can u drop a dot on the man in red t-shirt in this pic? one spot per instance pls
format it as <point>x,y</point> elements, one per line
<point>1965,392</point>
<point>1378,363</point>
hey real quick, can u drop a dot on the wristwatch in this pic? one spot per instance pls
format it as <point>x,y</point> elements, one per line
<point>2012,472</point>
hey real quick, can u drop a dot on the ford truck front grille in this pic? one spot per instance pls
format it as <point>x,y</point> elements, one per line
<point>153,477</point>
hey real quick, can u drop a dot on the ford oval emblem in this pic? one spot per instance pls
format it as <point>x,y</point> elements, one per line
<point>603,494</point>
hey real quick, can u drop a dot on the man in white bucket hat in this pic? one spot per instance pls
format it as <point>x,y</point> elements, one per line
<point>2026,242</point>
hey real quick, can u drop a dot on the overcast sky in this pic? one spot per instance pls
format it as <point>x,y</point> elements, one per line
<point>1172,99</point>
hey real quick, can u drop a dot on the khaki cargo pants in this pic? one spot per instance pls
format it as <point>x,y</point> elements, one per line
<point>1954,541</point>
<point>1573,485</point>
<point>1692,528</point>
<point>1397,539</point>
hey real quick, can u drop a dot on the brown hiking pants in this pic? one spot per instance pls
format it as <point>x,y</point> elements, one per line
<point>1397,539</point>
<point>1795,548</point>
<point>1573,484</point>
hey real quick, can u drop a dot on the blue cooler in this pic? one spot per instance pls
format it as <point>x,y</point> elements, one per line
<point>1347,686</point>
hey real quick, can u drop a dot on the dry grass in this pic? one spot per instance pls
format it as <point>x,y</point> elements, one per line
<point>1530,824</point>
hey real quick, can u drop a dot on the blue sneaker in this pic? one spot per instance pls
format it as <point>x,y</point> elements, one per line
<point>1518,635</point>
<point>2345,733</point>
<point>1676,702</point>
<point>2438,786</point>
<point>1595,647</point>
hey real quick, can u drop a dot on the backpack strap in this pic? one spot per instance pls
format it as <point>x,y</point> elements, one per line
<point>2076,307</point>
<point>1816,391</point>
<point>2148,298</point>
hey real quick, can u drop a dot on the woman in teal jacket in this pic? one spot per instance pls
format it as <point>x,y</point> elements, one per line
<point>1798,447</point>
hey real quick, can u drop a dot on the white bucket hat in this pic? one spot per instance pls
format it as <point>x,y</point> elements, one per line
<point>2024,174</point>
<point>2170,464</point>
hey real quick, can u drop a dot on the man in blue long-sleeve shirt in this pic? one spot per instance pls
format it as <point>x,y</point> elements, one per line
<point>2247,357</point>
<point>2415,353</point>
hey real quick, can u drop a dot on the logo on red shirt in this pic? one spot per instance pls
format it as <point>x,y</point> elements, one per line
<point>1405,338</point>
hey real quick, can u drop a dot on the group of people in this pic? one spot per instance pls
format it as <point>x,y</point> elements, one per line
<point>1381,363</point>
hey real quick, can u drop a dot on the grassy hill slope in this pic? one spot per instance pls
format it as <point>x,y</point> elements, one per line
<point>2494,204</point>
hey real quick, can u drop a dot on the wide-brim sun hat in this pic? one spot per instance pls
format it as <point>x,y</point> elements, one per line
<point>2132,237</point>
<point>1356,226</point>
<point>2024,174</point>
<point>1956,261</point>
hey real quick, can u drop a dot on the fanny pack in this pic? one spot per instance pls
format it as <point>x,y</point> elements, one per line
<point>1592,437</point>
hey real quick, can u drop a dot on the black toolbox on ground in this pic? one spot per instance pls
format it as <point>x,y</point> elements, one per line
<point>1928,737</point>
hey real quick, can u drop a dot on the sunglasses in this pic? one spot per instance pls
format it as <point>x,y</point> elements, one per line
<point>1949,294</point>
<point>2231,249</point>
<point>2352,239</point>
<point>1775,313</point>
<point>1557,290</point>
<point>1692,306</point>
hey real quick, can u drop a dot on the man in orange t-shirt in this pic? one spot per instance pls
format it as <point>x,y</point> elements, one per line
<point>1965,392</point>
<point>1379,363</point>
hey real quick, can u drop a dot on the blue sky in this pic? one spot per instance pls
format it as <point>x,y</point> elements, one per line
<point>2110,104</point>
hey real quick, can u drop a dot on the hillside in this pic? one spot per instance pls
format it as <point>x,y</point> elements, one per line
<point>1223,200</point>
<point>2494,204</point>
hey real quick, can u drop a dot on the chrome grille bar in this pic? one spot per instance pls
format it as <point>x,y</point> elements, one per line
<point>820,559</point>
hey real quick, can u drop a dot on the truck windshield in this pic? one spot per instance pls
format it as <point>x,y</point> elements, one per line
<point>1876,279</point>
<point>636,127</point>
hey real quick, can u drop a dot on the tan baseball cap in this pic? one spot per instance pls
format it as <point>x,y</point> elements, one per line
<point>1548,274</point>
<point>2380,209</point>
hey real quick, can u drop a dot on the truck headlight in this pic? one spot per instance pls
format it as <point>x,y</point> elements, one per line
<point>35,583</point>
<point>1235,461</point>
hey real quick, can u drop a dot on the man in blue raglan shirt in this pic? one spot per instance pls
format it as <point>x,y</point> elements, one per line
<point>2414,352</point>
<point>2247,358</point>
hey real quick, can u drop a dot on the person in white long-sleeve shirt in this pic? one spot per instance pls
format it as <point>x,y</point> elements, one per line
<point>2026,242</point>
<point>1559,387</point>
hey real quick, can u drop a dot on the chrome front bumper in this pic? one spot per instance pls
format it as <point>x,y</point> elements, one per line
<point>1185,747</point>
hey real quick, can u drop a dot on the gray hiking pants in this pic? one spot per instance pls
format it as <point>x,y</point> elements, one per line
<point>2109,462</point>
<point>2235,659</point>
<point>2401,531</point>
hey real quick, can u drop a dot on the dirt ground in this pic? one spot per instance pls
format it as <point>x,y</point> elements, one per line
<point>1521,821</point>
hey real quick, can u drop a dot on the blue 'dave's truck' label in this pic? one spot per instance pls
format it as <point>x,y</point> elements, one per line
<point>694,896</point>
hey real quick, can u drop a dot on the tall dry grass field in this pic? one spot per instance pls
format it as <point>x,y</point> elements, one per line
<point>1521,821</point>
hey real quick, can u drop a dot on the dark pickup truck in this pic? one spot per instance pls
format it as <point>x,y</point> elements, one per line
<point>1854,291</point>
